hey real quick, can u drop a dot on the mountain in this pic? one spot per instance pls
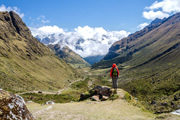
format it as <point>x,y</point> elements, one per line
<point>68,55</point>
<point>85,41</point>
<point>149,63</point>
<point>94,59</point>
<point>25,63</point>
<point>123,50</point>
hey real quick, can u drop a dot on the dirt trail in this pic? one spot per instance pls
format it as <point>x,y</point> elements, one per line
<point>88,110</point>
<point>54,92</point>
<point>59,92</point>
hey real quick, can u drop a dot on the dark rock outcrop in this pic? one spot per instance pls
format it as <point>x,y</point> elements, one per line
<point>97,93</point>
<point>12,107</point>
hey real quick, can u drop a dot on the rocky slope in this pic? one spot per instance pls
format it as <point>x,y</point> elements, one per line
<point>12,107</point>
<point>27,64</point>
<point>68,55</point>
<point>149,63</point>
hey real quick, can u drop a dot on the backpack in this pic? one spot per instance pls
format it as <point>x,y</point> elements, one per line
<point>114,72</point>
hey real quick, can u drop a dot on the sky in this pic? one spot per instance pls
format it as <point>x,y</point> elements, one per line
<point>89,19</point>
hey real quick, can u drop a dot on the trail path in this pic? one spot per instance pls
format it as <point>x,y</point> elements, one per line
<point>108,110</point>
<point>59,92</point>
<point>54,92</point>
<point>88,110</point>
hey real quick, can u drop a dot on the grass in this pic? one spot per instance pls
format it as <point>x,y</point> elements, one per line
<point>156,85</point>
<point>127,97</point>
<point>19,72</point>
<point>43,98</point>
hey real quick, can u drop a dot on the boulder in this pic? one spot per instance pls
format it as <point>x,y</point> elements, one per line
<point>104,98</point>
<point>95,98</point>
<point>12,107</point>
<point>50,103</point>
<point>97,93</point>
<point>103,91</point>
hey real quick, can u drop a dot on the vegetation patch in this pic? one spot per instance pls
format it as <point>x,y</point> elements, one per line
<point>127,97</point>
<point>113,97</point>
<point>43,98</point>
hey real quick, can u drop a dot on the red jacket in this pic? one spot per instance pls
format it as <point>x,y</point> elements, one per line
<point>114,66</point>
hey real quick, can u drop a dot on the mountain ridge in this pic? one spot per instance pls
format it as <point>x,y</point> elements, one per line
<point>27,64</point>
<point>121,51</point>
<point>149,64</point>
<point>68,55</point>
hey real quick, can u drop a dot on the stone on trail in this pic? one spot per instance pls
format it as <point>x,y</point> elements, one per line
<point>12,107</point>
<point>50,103</point>
<point>95,98</point>
<point>104,98</point>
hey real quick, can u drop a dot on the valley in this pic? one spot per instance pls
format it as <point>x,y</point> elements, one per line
<point>148,84</point>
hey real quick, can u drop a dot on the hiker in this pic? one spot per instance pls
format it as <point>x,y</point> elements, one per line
<point>114,74</point>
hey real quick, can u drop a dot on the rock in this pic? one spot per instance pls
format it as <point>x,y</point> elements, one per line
<point>178,106</point>
<point>95,98</point>
<point>153,102</point>
<point>29,102</point>
<point>175,98</point>
<point>12,107</point>
<point>97,93</point>
<point>50,103</point>
<point>40,92</point>
<point>85,95</point>
<point>172,103</point>
<point>104,91</point>
<point>164,104</point>
<point>104,98</point>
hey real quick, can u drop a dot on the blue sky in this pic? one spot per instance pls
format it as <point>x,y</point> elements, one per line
<point>68,14</point>
<point>88,27</point>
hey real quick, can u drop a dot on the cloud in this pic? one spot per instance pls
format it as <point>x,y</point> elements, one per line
<point>15,9</point>
<point>46,31</point>
<point>162,9</point>
<point>141,26</point>
<point>153,15</point>
<point>86,41</point>
<point>168,6</point>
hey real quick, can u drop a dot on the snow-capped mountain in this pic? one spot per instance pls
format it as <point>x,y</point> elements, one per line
<point>85,41</point>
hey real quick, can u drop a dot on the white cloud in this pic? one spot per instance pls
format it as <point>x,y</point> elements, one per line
<point>141,26</point>
<point>46,30</point>
<point>166,6</point>
<point>15,9</point>
<point>153,15</point>
<point>86,41</point>
<point>162,9</point>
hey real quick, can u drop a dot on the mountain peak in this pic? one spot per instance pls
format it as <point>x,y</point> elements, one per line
<point>19,25</point>
<point>156,21</point>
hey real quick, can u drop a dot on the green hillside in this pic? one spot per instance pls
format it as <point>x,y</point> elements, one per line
<point>25,63</point>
